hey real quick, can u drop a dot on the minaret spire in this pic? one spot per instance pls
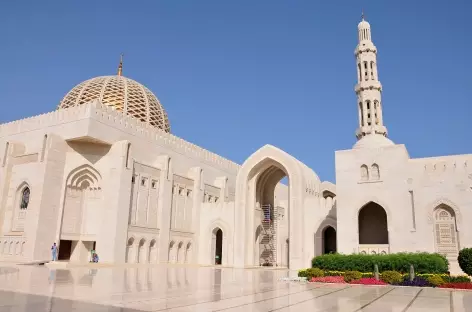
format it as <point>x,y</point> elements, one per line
<point>120,67</point>
<point>368,88</point>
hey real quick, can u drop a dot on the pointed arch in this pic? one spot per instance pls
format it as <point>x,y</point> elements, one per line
<point>303,182</point>
<point>373,224</point>
<point>375,172</point>
<point>84,173</point>
<point>444,201</point>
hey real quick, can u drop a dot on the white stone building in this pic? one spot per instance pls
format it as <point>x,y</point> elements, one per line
<point>104,172</point>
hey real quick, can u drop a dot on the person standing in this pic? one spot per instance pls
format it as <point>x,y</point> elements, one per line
<point>54,252</point>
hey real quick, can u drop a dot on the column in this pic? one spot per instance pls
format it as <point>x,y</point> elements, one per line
<point>113,235</point>
<point>165,206</point>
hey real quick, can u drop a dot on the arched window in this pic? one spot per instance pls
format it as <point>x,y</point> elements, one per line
<point>364,173</point>
<point>25,197</point>
<point>375,172</point>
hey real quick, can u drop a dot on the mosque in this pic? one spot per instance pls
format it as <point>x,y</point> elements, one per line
<point>104,172</point>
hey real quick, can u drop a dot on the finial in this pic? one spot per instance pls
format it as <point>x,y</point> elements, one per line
<point>362,16</point>
<point>120,67</point>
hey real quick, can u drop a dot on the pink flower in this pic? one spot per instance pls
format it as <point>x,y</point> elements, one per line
<point>368,281</point>
<point>328,279</point>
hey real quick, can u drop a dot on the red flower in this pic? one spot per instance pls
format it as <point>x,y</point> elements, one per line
<point>457,285</point>
<point>368,281</point>
<point>328,279</point>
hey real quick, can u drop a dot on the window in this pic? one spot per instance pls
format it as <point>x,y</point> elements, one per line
<point>133,179</point>
<point>216,199</point>
<point>181,190</point>
<point>189,193</point>
<point>25,196</point>
<point>154,184</point>
<point>143,181</point>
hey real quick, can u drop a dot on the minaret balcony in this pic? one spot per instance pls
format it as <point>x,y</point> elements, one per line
<point>368,85</point>
<point>376,129</point>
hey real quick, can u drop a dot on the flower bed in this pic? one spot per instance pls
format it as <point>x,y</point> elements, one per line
<point>317,275</point>
<point>328,279</point>
<point>368,281</point>
<point>457,285</point>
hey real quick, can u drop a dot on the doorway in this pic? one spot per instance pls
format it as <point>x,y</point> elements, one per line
<point>329,240</point>
<point>218,246</point>
<point>65,250</point>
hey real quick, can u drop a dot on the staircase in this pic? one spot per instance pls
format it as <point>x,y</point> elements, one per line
<point>268,254</point>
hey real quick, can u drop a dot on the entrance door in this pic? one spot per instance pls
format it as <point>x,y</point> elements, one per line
<point>65,249</point>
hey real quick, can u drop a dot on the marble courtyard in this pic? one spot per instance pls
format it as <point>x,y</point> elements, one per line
<point>192,289</point>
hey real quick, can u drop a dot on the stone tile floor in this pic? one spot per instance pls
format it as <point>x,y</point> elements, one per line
<point>179,289</point>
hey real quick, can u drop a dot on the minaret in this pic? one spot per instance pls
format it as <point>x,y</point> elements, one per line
<point>368,88</point>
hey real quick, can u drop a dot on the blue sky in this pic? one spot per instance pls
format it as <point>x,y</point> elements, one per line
<point>235,75</point>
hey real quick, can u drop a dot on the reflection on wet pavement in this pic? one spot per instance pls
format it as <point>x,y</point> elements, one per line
<point>178,288</point>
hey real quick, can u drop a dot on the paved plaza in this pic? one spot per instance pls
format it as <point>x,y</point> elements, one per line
<point>173,288</point>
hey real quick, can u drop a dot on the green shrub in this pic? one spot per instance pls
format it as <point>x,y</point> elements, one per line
<point>350,276</point>
<point>392,277</point>
<point>435,280</point>
<point>422,262</point>
<point>302,273</point>
<point>458,279</point>
<point>314,272</point>
<point>465,260</point>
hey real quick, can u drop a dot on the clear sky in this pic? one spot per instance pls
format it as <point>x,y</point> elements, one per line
<point>236,75</point>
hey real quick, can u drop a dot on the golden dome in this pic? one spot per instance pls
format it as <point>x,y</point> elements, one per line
<point>123,94</point>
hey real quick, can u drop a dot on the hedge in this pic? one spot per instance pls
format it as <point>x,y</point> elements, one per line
<point>422,262</point>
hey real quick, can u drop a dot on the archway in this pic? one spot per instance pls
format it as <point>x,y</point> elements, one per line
<point>373,226</point>
<point>329,240</point>
<point>256,206</point>
<point>217,246</point>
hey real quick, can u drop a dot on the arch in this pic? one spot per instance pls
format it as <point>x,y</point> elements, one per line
<point>446,238</point>
<point>17,249</point>
<point>375,172</point>
<point>364,173</point>
<point>319,232</point>
<point>4,249</point>
<point>152,252</point>
<point>25,197</point>
<point>84,173</point>
<point>141,251</point>
<point>170,254</point>
<point>329,240</point>
<point>10,249</point>
<point>373,224</point>
<point>264,166</point>
<point>180,252</point>
<point>444,201</point>
<point>188,252</point>
<point>130,250</point>
<point>22,248</point>
<point>217,246</point>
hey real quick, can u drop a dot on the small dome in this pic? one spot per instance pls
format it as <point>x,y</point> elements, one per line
<point>124,95</point>
<point>363,24</point>
<point>373,141</point>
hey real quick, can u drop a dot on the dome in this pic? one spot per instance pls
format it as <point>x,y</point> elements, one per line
<point>373,141</point>
<point>124,95</point>
<point>363,24</point>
